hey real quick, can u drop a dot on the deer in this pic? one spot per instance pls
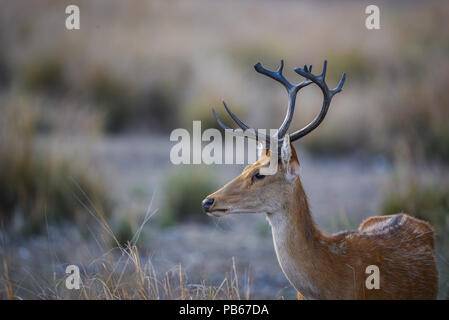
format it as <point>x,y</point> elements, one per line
<point>318,265</point>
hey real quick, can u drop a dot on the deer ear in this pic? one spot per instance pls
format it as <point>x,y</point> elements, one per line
<point>290,163</point>
<point>292,170</point>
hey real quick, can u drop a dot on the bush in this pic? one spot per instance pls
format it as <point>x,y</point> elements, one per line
<point>36,188</point>
<point>128,228</point>
<point>126,106</point>
<point>44,74</point>
<point>418,117</point>
<point>428,203</point>
<point>185,189</point>
<point>115,98</point>
<point>159,106</point>
<point>338,139</point>
<point>5,72</point>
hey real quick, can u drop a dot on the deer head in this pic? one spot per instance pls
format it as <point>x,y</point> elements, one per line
<point>252,191</point>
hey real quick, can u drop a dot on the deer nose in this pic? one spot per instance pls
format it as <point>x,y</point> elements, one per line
<point>207,204</point>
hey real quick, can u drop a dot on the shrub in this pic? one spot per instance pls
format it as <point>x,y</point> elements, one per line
<point>429,203</point>
<point>185,188</point>
<point>127,107</point>
<point>44,74</point>
<point>115,98</point>
<point>35,187</point>
<point>337,139</point>
<point>158,106</point>
<point>5,72</point>
<point>418,117</point>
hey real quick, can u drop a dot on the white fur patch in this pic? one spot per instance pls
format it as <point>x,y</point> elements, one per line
<point>290,267</point>
<point>286,151</point>
<point>291,166</point>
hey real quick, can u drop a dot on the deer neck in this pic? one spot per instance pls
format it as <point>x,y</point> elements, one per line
<point>299,244</point>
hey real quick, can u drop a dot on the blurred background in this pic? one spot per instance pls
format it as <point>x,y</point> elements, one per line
<point>86,115</point>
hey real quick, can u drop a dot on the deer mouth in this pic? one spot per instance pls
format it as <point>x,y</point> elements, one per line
<point>217,212</point>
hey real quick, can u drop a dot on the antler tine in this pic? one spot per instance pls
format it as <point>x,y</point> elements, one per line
<point>291,89</point>
<point>340,84</point>
<point>234,117</point>
<point>249,132</point>
<point>319,80</point>
<point>275,75</point>
<point>323,74</point>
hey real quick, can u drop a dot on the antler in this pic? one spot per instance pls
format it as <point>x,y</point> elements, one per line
<point>248,132</point>
<point>319,80</point>
<point>292,91</point>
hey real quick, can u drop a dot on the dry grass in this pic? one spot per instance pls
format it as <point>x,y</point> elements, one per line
<point>126,278</point>
<point>119,273</point>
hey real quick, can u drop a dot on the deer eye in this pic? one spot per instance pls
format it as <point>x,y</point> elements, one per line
<point>258,176</point>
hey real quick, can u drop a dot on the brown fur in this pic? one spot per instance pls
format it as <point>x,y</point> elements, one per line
<point>402,248</point>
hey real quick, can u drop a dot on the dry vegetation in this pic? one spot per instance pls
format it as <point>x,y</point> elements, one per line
<point>36,184</point>
<point>115,273</point>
